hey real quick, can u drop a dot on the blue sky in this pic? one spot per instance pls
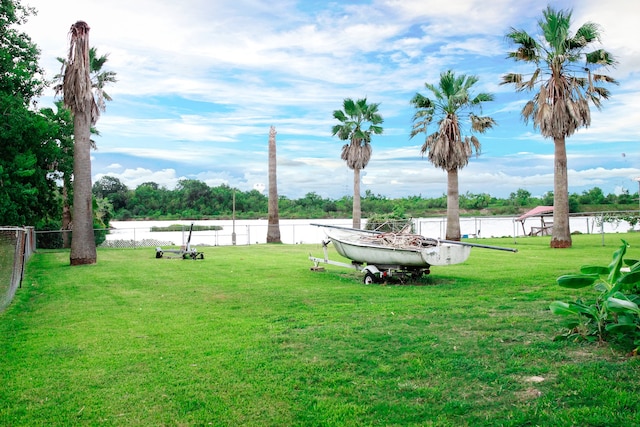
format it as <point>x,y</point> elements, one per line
<point>201,81</point>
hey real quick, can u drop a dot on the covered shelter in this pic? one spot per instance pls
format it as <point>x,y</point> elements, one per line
<point>542,212</point>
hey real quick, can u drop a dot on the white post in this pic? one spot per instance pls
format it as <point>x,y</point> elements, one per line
<point>638,179</point>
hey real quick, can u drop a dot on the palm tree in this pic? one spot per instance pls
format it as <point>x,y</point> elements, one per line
<point>447,148</point>
<point>563,87</point>
<point>78,97</point>
<point>99,79</point>
<point>357,153</point>
<point>273,232</point>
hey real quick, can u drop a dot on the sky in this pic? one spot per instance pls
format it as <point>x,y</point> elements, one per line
<point>200,83</point>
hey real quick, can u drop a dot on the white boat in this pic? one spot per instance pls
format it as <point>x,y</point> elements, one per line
<point>395,249</point>
<point>385,254</point>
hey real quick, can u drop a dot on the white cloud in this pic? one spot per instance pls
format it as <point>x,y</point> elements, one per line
<point>200,82</point>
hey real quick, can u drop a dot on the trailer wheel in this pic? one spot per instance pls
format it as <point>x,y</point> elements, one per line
<point>158,254</point>
<point>370,278</point>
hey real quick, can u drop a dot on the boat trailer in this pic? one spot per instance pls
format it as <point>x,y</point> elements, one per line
<point>373,273</point>
<point>185,251</point>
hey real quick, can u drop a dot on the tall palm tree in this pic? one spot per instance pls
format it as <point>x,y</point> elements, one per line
<point>563,86</point>
<point>358,120</point>
<point>99,79</point>
<point>78,97</point>
<point>448,148</point>
<point>273,231</point>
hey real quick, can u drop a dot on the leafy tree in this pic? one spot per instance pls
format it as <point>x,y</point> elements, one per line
<point>148,199</point>
<point>625,198</point>
<point>547,198</point>
<point>595,196</point>
<point>195,196</point>
<point>448,148</point>
<point>520,198</point>
<point>251,202</point>
<point>475,201</point>
<point>28,194</point>
<point>563,90</point>
<point>20,74</point>
<point>222,199</point>
<point>574,203</point>
<point>112,189</point>
<point>358,120</point>
<point>61,122</point>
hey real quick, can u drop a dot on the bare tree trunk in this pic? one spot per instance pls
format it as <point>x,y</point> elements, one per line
<point>561,235</point>
<point>453,206</point>
<point>273,232</point>
<point>79,98</point>
<point>356,213</point>
<point>83,243</point>
<point>66,213</point>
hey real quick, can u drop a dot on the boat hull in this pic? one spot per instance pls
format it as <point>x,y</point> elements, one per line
<point>351,245</point>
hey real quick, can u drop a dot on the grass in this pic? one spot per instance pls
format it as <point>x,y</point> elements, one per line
<point>250,336</point>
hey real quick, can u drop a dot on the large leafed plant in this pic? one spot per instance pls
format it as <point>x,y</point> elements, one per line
<point>614,314</point>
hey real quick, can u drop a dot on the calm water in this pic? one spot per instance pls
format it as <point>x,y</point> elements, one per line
<point>301,231</point>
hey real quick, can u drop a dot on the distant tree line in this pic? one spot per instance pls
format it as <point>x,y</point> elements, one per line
<point>193,199</point>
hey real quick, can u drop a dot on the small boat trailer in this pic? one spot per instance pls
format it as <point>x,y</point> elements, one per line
<point>185,252</point>
<point>372,273</point>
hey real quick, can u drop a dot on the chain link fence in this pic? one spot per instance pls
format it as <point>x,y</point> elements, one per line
<point>16,247</point>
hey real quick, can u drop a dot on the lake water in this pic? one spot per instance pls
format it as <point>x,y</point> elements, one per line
<point>296,231</point>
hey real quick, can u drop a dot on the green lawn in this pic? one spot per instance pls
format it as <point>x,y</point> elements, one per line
<point>250,336</point>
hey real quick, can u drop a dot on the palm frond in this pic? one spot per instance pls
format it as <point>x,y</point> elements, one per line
<point>527,48</point>
<point>350,107</point>
<point>528,110</point>
<point>481,124</point>
<point>511,78</point>
<point>76,84</point>
<point>482,97</point>
<point>522,38</point>
<point>555,28</point>
<point>587,33</point>
<point>603,78</point>
<point>600,57</point>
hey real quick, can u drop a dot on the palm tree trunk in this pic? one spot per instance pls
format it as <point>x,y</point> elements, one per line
<point>357,214</point>
<point>83,244</point>
<point>561,235</point>
<point>453,206</point>
<point>273,231</point>
<point>66,213</point>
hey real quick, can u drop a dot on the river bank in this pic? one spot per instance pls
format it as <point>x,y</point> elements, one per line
<point>298,231</point>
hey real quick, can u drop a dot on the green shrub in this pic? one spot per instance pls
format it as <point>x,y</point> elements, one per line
<point>614,314</point>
